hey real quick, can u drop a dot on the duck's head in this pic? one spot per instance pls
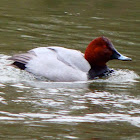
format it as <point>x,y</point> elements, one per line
<point>101,50</point>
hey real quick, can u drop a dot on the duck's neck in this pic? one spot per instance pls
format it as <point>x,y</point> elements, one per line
<point>97,71</point>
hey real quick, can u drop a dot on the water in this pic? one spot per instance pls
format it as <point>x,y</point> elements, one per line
<point>102,109</point>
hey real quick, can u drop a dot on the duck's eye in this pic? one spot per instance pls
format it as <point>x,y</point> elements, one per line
<point>104,46</point>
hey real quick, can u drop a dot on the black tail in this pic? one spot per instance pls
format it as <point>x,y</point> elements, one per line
<point>19,65</point>
<point>20,60</point>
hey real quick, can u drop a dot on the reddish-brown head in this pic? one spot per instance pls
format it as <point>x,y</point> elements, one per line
<point>100,51</point>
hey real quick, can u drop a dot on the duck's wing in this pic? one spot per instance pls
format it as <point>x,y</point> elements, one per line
<point>69,57</point>
<point>72,58</point>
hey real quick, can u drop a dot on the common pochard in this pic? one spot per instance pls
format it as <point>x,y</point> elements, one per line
<point>67,65</point>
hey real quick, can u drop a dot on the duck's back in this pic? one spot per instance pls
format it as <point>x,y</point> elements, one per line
<point>55,63</point>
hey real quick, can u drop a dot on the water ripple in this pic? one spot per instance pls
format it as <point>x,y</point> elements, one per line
<point>60,102</point>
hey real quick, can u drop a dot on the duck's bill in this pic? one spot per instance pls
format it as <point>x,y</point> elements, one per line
<point>124,58</point>
<point>117,55</point>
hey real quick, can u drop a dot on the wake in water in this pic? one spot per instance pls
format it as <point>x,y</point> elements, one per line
<point>121,76</point>
<point>115,106</point>
<point>9,74</point>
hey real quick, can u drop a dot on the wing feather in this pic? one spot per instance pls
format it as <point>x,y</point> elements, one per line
<point>20,60</point>
<point>72,58</point>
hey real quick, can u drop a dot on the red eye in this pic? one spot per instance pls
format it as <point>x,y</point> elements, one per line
<point>104,46</point>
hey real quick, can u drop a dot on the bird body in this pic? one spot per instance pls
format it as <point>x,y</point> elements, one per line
<point>67,65</point>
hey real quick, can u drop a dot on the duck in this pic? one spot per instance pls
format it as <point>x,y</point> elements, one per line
<point>61,64</point>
